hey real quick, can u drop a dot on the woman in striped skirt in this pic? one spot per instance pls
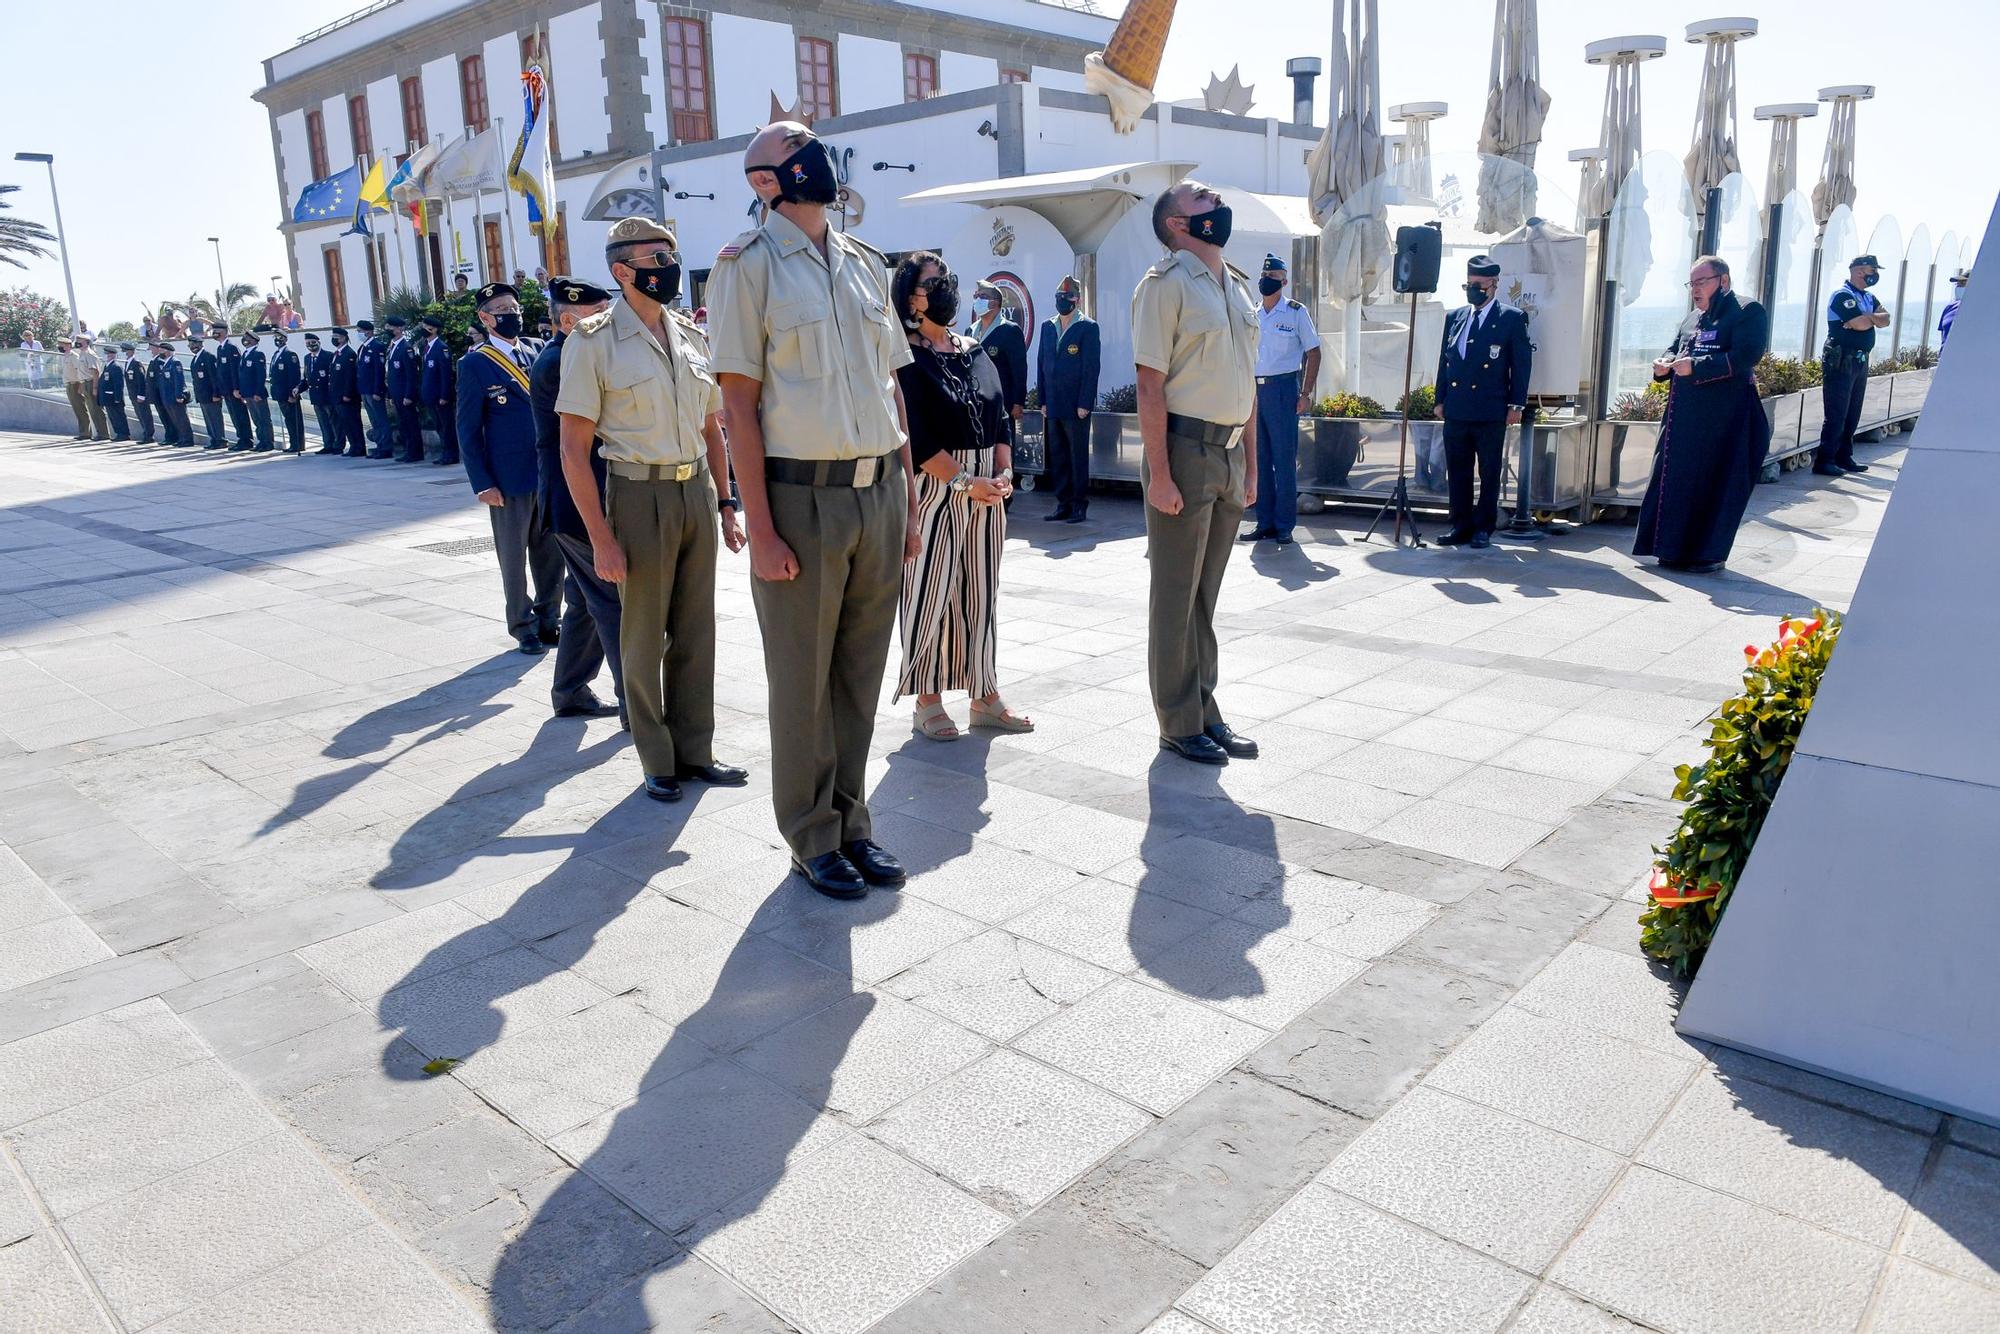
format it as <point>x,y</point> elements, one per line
<point>958,440</point>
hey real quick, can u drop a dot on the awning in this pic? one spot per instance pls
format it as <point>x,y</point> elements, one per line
<point>624,191</point>
<point>1083,204</point>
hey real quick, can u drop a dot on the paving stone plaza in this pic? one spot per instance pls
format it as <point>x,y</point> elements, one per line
<point>1353,1037</point>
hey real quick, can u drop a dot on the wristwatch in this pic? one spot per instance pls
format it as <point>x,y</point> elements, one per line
<point>729,501</point>
<point>961,482</point>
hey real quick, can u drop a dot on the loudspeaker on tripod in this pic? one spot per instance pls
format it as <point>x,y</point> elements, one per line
<point>1419,252</point>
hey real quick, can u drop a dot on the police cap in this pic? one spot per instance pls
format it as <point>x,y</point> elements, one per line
<point>635,231</point>
<point>1479,266</point>
<point>163,345</point>
<point>493,292</point>
<point>336,329</point>
<point>312,338</point>
<point>366,326</point>
<point>1272,264</point>
<point>434,323</point>
<point>127,347</point>
<point>1863,261</point>
<point>577,292</point>
<point>394,321</point>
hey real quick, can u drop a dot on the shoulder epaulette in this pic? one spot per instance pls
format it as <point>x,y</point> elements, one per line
<point>1159,270</point>
<point>1231,268</point>
<point>1294,303</point>
<point>590,324</point>
<point>865,247</point>
<point>736,247</point>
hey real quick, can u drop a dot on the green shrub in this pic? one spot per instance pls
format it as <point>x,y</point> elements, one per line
<point>1419,402</point>
<point>1729,794</point>
<point>1815,373</point>
<point>461,322</point>
<point>1123,398</point>
<point>1346,403</point>
<point>1781,375</point>
<point>1648,405</point>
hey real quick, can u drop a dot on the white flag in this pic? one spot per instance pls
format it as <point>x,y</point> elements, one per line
<point>468,166</point>
<point>530,171</point>
<point>411,182</point>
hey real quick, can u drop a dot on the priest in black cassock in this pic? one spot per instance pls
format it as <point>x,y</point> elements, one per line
<point>1715,436</point>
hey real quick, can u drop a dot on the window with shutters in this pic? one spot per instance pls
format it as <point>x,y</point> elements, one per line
<point>359,134</point>
<point>919,77</point>
<point>336,286</point>
<point>816,94</point>
<point>414,129</point>
<point>1013,76</point>
<point>472,92</point>
<point>687,80</point>
<point>316,144</point>
<point>496,255</point>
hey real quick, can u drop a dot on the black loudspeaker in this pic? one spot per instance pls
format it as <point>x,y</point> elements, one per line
<point>1419,251</point>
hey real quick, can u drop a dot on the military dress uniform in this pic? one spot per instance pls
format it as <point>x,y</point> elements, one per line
<point>228,370</point>
<point>170,393</point>
<point>136,390</point>
<point>496,440</point>
<point>318,368</point>
<point>111,396</point>
<point>1285,334</point>
<point>435,385</point>
<point>402,377</point>
<point>1202,335</point>
<point>251,383</point>
<point>1482,375</point>
<point>287,387</point>
<point>650,403</point>
<point>1843,362</point>
<point>371,379</point>
<point>1067,364</point>
<point>818,334</point>
<point>344,388</point>
<point>205,380</point>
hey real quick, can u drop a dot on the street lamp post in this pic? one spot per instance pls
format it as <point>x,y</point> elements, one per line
<point>221,287</point>
<point>62,238</point>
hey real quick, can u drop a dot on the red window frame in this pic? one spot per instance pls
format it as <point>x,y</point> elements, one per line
<point>415,131</point>
<point>818,96</point>
<point>359,132</point>
<point>920,76</point>
<point>316,144</point>
<point>688,104</point>
<point>472,92</point>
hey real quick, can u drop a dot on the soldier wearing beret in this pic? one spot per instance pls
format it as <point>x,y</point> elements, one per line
<point>204,374</point>
<point>496,439</point>
<point>1482,389</point>
<point>136,390</point>
<point>288,389</point>
<point>435,386</point>
<point>637,377</point>
<point>1852,317</point>
<point>807,349</point>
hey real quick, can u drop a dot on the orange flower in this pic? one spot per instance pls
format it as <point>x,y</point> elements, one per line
<point>1750,652</point>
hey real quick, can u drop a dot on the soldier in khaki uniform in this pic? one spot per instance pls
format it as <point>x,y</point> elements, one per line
<point>636,377</point>
<point>807,350</point>
<point>1194,337</point>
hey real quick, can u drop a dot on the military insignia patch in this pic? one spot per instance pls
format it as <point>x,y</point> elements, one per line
<point>1493,350</point>
<point>730,251</point>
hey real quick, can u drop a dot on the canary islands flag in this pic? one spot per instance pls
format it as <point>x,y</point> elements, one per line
<point>375,190</point>
<point>331,197</point>
<point>529,171</point>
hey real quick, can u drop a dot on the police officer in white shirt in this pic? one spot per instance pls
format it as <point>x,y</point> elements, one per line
<point>1287,369</point>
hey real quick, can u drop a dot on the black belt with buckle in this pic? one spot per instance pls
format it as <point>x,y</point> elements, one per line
<point>656,472</point>
<point>1213,434</point>
<point>832,472</point>
<point>1281,375</point>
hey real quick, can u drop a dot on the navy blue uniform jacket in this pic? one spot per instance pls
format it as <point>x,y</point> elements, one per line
<point>557,502</point>
<point>136,387</point>
<point>1008,347</point>
<point>319,376</point>
<point>496,427</point>
<point>369,368</point>
<point>207,376</point>
<point>165,373</point>
<point>340,381</point>
<point>1483,384</point>
<point>401,379</point>
<point>1066,366</point>
<point>286,376</point>
<point>111,384</point>
<point>250,374</point>
<point>437,376</point>
<point>228,357</point>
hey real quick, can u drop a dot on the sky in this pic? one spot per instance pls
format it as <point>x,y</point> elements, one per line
<point>149,169</point>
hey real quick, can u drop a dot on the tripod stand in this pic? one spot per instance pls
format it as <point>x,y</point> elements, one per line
<point>1399,499</point>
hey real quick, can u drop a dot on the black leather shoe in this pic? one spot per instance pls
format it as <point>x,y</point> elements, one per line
<point>589,706</point>
<point>1200,748</point>
<point>1481,541</point>
<point>1702,566</point>
<point>1239,747</point>
<point>877,867</point>
<point>534,648</point>
<point>715,775</point>
<point>1256,535</point>
<point>1453,539</point>
<point>1282,539</point>
<point>662,789</point>
<point>1855,467</point>
<point>551,636</point>
<point>1060,514</point>
<point>832,875</point>
<point>1077,515</point>
<point>1829,470</point>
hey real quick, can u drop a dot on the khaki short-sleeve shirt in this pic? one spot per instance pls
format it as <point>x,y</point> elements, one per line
<point>817,333</point>
<point>649,401</point>
<point>1201,334</point>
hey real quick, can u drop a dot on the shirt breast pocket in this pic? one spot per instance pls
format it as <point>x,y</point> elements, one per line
<point>801,340</point>
<point>629,390</point>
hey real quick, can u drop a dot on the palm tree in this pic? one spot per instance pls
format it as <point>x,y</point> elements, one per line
<point>18,236</point>
<point>235,304</point>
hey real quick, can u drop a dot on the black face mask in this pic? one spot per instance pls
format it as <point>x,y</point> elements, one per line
<point>943,297</point>
<point>662,285</point>
<point>1064,303</point>
<point>1871,279</point>
<point>1270,286</point>
<point>1477,295</point>
<point>194,347</point>
<point>508,326</point>
<point>1212,226</point>
<point>807,176</point>
<point>340,342</point>
<point>278,341</point>
<point>249,343</point>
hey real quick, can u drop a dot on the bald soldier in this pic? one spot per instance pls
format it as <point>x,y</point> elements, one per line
<point>807,349</point>
<point>636,377</point>
<point>1194,337</point>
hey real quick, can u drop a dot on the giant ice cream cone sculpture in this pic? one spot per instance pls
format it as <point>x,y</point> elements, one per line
<point>1125,70</point>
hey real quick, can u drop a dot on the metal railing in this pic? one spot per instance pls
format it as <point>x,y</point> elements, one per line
<point>345,19</point>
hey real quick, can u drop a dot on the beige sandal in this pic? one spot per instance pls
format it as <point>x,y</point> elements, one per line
<point>935,723</point>
<point>1001,718</point>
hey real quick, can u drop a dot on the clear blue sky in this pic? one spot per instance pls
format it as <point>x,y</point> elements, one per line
<point>150,164</point>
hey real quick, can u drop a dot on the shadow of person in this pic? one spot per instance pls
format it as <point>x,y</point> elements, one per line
<point>455,705</point>
<point>1290,566</point>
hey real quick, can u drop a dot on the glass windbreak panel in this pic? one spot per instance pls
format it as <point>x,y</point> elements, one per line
<point>1838,244</point>
<point>1739,236</point>
<point>1652,247</point>
<point>1942,267</point>
<point>1909,296</point>
<point>1790,299</point>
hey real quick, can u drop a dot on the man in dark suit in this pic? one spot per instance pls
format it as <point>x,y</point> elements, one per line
<point>318,368</point>
<point>344,388</point>
<point>371,378</point>
<point>205,383</point>
<point>1006,344</point>
<point>136,389</point>
<point>111,394</point>
<point>169,391</point>
<point>252,387</point>
<point>403,379</point>
<point>1482,389</point>
<point>590,604</point>
<point>1066,366</point>
<point>496,439</point>
<point>288,389</point>
<point>228,363</point>
<point>435,388</point>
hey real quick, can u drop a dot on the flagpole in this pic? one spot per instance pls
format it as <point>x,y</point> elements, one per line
<point>507,194</point>
<point>396,230</point>
<point>479,256</point>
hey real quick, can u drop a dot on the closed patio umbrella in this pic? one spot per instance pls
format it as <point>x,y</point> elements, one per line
<point>1516,106</point>
<point>1713,156</point>
<point>1620,136</point>
<point>1836,172</point>
<point>1781,173</point>
<point>1345,175</point>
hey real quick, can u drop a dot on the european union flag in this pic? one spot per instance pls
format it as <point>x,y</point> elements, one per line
<point>332,197</point>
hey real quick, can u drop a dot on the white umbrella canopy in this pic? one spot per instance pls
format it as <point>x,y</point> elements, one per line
<point>1619,135</point>
<point>1836,171</point>
<point>1345,170</point>
<point>1713,156</point>
<point>1592,201</point>
<point>1516,106</point>
<point>1781,172</point>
